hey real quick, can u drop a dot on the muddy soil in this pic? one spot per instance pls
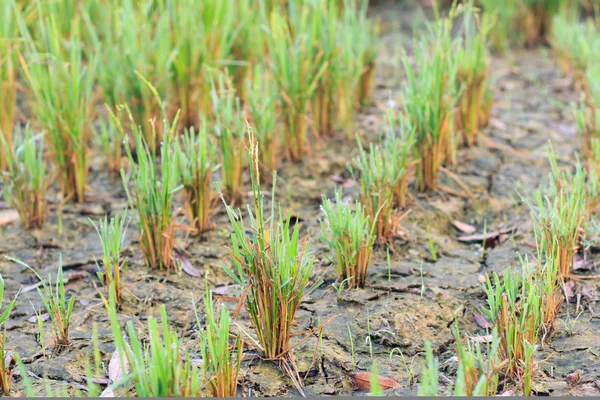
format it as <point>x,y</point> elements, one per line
<point>411,299</point>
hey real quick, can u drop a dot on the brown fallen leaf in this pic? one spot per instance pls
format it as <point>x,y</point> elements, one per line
<point>115,372</point>
<point>482,321</point>
<point>186,265</point>
<point>8,216</point>
<point>490,238</point>
<point>482,339</point>
<point>362,380</point>
<point>582,265</point>
<point>569,289</point>
<point>45,317</point>
<point>465,228</point>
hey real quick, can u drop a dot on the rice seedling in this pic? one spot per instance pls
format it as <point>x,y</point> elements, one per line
<point>26,176</point>
<point>477,368</point>
<point>61,82</point>
<point>8,72</point>
<point>538,15</point>
<point>522,22</point>
<point>218,23</point>
<point>62,103</point>
<point>195,155</point>
<point>352,350</point>
<point>587,113</point>
<point>383,181</point>
<point>324,25</point>
<point>230,131</point>
<point>376,389</point>
<point>273,268</point>
<point>157,365</point>
<point>220,367</point>
<point>500,37</point>
<point>573,43</point>
<point>145,48</point>
<point>55,300</point>
<point>110,137</point>
<point>261,96</point>
<point>561,215</point>
<point>515,308</point>
<point>429,384</point>
<point>114,266</point>
<point>364,33</point>
<point>153,193</point>
<point>429,98</point>
<point>350,237</point>
<point>297,73</point>
<point>473,60</point>
<point>5,367</point>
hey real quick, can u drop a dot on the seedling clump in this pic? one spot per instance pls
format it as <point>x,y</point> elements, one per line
<point>273,265</point>
<point>114,266</point>
<point>350,237</point>
<point>26,176</point>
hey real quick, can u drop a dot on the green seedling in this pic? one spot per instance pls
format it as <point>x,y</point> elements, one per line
<point>516,310</point>
<point>408,367</point>
<point>522,22</point>
<point>5,367</point>
<point>157,365</point>
<point>364,32</point>
<point>55,300</point>
<point>196,159</point>
<point>374,384</point>
<point>273,267</point>
<point>429,99</point>
<point>383,175</point>
<point>9,46</point>
<point>429,384</point>
<point>432,249</point>
<point>26,176</point>
<point>230,131</point>
<point>61,81</point>
<point>473,58</point>
<point>352,350</point>
<point>153,193</point>
<point>262,98</point>
<point>219,24</point>
<point>110,138</point>
<point>145,48</point>
<point>220,366</point>
<point>114,266</point>
<point>296,72</point>
<point>350,237</point>
<point>561,215</point>
<point>573,43</point>
<point>478,367</point>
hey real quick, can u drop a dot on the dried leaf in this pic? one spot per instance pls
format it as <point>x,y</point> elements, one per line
<point>362,380</point>
<point>8,216</point>
<point>497,124</point>
<point>583,265</point>
<point>482,321</point>
<point>186,265</point>
<point>569,289</point>
<point>45,317</point>
<point>482,339</point>
<point>489,237</point>
<point>114,367</point>
<point>465,228</point>
<point>196,362</point>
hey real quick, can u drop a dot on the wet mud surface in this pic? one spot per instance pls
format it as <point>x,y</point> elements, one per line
<point>407,301</point>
